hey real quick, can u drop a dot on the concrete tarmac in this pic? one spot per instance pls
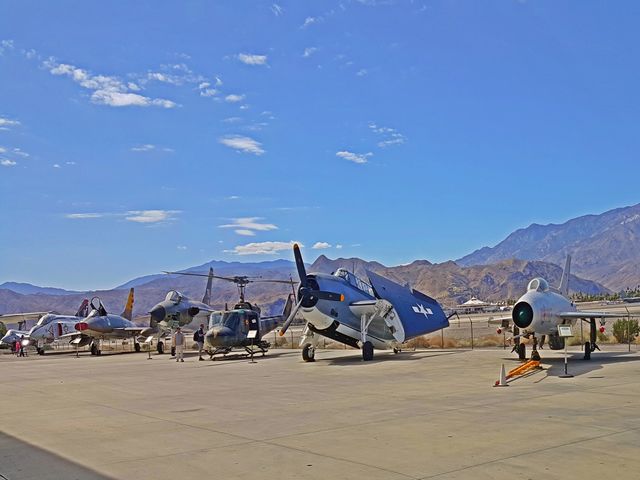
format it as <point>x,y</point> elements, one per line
<point>424,414</point>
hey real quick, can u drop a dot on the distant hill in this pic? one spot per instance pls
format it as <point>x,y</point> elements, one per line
<point>605,247</point>
<point>453,284</point>
<point>27,289</point>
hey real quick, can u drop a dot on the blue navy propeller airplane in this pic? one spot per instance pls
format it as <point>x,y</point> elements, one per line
<point>376,315</point>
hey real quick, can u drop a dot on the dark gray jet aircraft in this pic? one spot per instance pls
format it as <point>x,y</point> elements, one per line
<point>380,314</point>
<point>178,310</point>
<point>100,325</point>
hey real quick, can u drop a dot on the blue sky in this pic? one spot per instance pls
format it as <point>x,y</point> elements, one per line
<point>142,136</point>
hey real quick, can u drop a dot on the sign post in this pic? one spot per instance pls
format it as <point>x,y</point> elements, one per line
<point>565,332</point>
<point>252,334</point>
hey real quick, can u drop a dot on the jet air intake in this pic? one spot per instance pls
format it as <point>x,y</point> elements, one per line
<point>522,315</point>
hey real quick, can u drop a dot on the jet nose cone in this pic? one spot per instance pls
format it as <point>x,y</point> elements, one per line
<point>158,313</point>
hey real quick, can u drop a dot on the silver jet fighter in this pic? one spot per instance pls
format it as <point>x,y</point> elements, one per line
<point>100,325</point>
<point>13,335</point>
<point>51,326</point>
<point>177,310</point>
<point>380,314</point>
<point>540,311</point>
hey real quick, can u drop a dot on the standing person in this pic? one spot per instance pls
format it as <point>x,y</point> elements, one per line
<point>16,347</point>
<point>199,338</point>
<point>22,342</point>
<point>178,342</point>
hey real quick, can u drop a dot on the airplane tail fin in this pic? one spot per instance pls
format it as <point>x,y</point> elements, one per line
<point>83,311</point>
<point>128,308</point>
<point>564,280</point>
<point>207,293</point>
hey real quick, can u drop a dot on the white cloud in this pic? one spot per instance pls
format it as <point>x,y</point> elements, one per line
<point>181,247</point>
<point>205,91</point>
<point>310,21</point>
<point>218,81</point>
<point>19,152</point>
<point>246,233</point>
<point>321,245</point>
<point>147,147</point>
<point>233,197</point>
<point>5,123</point>
<point>249,223</point>
<point>309,51</point>
<point>362,72</point>
<point>5,46</point>
<point>5,162</point>
<point>85,215</point>
<point>277,9</point>
<point>390,136</point>
<point>262,248</point>
<point>107,90</point>
<point>234,98</point>
<point>354,157</point>
<point>251,59</point>
<point>242,144</point>
<point>164,78</point>
<point>232,120</point>
<point>56,165</point>
<point>150,216</point>
<point>338,247</point>
<point>70,163</point>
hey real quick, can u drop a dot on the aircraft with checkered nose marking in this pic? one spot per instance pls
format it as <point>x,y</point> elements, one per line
<point>377,315</point>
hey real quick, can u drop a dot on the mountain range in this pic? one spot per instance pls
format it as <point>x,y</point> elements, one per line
<point>605,250</point>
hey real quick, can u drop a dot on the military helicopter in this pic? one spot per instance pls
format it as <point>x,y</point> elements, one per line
<point>231,328</point>
<point>177,310</point>
<point>344,308</point>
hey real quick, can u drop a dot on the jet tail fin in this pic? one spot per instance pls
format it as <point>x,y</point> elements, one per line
<point>564,280</point>
<point>128,307</point>
<point>207,293</point>
<point>83,311</point>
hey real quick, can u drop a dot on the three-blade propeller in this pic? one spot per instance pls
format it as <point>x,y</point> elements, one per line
<point>305,292</point>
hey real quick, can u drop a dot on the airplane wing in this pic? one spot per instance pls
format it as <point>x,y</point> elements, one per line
<point>418,313</point>
<point>585,314</point>
<point>20,317</point>
<point>499,320</point>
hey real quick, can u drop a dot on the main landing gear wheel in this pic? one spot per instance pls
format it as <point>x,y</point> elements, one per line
<point>160,347</point>
<point>367,351</point>
<point>522,351</point>
<point>173,351</point>
<point>396,350</point>
<point>535,355</point>
<point>136,346</point>
<point>587,350</point>
<point>94,349</point>
<point>308,353</point>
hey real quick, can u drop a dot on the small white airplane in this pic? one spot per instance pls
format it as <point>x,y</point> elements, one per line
<point>540,311</point>
<point>50,327</point>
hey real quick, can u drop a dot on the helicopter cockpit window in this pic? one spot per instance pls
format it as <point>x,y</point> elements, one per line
<point>215,319</point>
<point>173,296</point>
<point>231,320</point>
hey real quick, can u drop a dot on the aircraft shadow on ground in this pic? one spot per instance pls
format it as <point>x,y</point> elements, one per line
<point>19,459</point>
<point>386,356</point>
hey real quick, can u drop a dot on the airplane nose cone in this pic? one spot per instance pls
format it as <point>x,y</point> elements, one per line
<point>158,313</point>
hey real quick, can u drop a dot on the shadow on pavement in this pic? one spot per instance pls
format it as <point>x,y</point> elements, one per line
<point>20,461</point>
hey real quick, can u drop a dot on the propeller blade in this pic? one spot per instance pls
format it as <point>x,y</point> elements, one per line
<point>302,272</point>
<point>332,296</point>
<point>292,315</point>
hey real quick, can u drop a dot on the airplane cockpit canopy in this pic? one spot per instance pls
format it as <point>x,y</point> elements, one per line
<point>45,319</point>
<point>173,296</point>
<point>538,285</point>
<point>97,308</point>
<point>353,280</point>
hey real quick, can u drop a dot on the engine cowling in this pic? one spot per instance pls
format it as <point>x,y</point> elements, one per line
<point>522,315</point>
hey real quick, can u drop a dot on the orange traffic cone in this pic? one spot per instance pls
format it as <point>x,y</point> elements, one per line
<point>503,378</point>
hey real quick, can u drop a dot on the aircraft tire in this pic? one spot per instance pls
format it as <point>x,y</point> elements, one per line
<point>308,353</point>
<point>136,346</point>
<point>535,355</point>
<point>396,350</point>
<point>98,352</point>
<point>160,348</point>
<point>587,350</point>
<point>522,351</point>
<point>94,349</point>
<point>173,351</point>
<point>367,351</point>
